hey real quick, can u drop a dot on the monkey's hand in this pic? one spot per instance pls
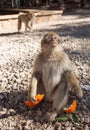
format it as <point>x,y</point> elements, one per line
<point>31,97</point>
<point>79,93</point>
<point>32,93</point>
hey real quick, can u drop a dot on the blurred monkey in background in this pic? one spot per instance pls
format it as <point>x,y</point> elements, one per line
<point>27,19</point>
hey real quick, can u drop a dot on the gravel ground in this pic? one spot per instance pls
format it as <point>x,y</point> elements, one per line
<point>17,53</point>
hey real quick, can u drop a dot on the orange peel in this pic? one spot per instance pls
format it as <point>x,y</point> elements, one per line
<point>38,97</point>
<point>72,107</point>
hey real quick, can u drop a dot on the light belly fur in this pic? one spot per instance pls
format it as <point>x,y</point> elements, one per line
<point>51,76</point>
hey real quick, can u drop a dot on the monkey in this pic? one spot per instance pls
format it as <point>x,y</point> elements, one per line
<point>53,75</point>
<point>26,18</point>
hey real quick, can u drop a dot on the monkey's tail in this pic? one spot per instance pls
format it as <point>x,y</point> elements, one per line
<point>19,23</point>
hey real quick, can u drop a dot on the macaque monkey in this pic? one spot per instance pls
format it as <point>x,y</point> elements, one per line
<point>53,75</point>
<point>26,18</point>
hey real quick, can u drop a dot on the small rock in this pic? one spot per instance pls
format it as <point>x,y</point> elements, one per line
<point>50,128</point>
<point>4,111</point>
<point>45,126</point>
<point>1,96</point>
<point>29,122</point>
<point>87,120</point>
<point>73,128</point>
<point>67,123</point>
<point>11,111</point>
<point>58,126</point>
<point>18,81</point>
<point>68,128</point>
<point>82,120</point>
<point>14,86</point>
<point>86,87</point>
<point>86,127</point>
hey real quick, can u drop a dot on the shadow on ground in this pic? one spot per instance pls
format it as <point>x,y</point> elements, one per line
<point>13,100</point>
<point>76,30</point>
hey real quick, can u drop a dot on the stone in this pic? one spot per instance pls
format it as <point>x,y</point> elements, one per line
<point>67,128</point>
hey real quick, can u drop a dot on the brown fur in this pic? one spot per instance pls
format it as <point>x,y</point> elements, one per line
<point>53,75</point>
<point>25,18</point>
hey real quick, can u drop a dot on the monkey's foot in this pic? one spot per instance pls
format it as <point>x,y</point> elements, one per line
<point>50,116</point>
<point>80,93</point>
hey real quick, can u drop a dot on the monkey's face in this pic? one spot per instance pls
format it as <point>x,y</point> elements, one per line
<point>30,15</point>
<point>50,40</point>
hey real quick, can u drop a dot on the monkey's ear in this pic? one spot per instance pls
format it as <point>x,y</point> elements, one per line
<point>42,41</point>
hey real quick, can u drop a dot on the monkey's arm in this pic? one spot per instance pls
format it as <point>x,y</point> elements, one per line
<point>34,80</point>
<point>73,83</point>
<point>33,86</point>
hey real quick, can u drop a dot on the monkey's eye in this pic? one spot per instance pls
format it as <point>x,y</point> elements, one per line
<point>50,38</point>
<point>47,39</point>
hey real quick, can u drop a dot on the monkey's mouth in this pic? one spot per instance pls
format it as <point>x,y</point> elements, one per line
<point>54,43</point>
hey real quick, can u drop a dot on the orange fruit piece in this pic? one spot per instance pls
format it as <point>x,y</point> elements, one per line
<point>38,97</point>
<point>72,108</point>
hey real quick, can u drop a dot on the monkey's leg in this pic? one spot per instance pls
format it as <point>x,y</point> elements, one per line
<point>32,22</point>
<point>50,116</point>
<point>19,24</point>
<point>40,87</point>
<point>73,83</point>
<point>28,26</point>
<point>60,97</point>
<point>25,27</point>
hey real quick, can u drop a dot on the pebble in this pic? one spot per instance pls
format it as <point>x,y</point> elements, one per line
<point>11,111</point>
<point>1,97</point>
<point>73,128</point>
<point>86,87</point>
<point>86,127</point>
<point>67,123</point>
<point>3,111</point>
<point>58,126</point>
<point>50,128</point>
<point>68,128</point>
<point>29,122</point>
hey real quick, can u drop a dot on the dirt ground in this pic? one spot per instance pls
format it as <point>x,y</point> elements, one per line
<point>17,54</point>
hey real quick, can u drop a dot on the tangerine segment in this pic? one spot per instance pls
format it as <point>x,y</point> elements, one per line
<point>72,108</point>
<point>39,97</point>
